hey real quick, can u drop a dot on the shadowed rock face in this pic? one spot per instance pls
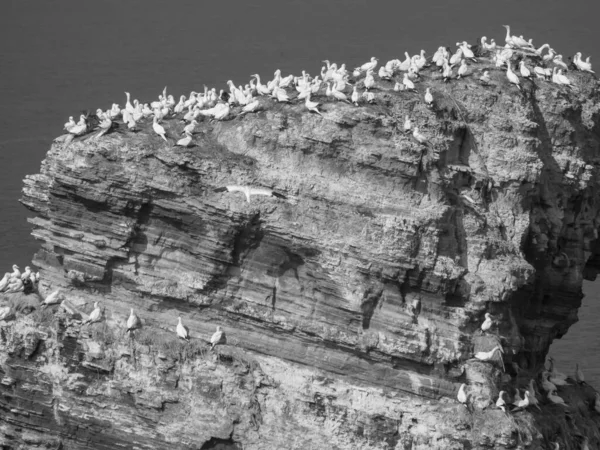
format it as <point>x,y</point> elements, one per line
<point>352,308</point>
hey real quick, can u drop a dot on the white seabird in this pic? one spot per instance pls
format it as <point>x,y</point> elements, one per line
<point>133,322</point>
<point>95,315</point>
<point>26,274</point>
<point>500,403</point>
<point>584,66</point>
<point>369,96</point>
<point>250,107</point>
<point>16,272</point>
<point>462,396</point>
<point>248,191</point>
<point>15,285</point>
<point>559,62</point>
<point>369,65</point>
<point>521,403</point>
<point>184,141</point>
<point>217,338</point>
<point>428,97</point>
<point>5,312</point>
<point>407,124</point>
<point>52,299</point>
<point>485,78</point>
<point>355,96</point>
<point>554,398</point>
<point>182,332</point>
<point>312,106</point>
<point>408,84</point>
<point>512,77</point>
<point>462,70</point>
<point>221,112</point>
<point>4,281</point>
<point>525,72</point>
<point>487,356</point>
<point>418,136</point>
<point>190,127</point>
<point>70,124</point>
<point>159,129</point>
<point>487,323</point>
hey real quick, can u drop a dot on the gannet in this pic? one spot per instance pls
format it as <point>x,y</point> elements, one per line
<point>261,89</point>
<point>4,281</point>
<point>52,299</point>
<point>420,60</point>
<point>26,274</point>
<point>337,94</point>
<point>428,97</point>
<point>95,315</point>
<point>455,59</point>
<point>500,403</point>
<point>179,107</point>
<point>405,65</point>
<point>189,128</point>
<point>128,105</point>
<point>462,70</point>
<point>418,136</point>
<point>184,141</point>
<point>312,106</point>
<point>559,62</point>
<point>407,124</point>
<point>15,285</point>
<point>369,96</point>
<point>398,87</point>
<point>182,332</point>
<point>16,272</point>
<point>447,72</point>
<point>407,83</point>
<point>487,356</point>
<point>532,398</point>
<point>466,51</point>
<point>554,398</point>
<point>79,128</point>
<point>384,73</point>
<point>133,322</point>
<point>521,403</point>
<point>487,323</point>
<point>485,78</point>
<point>547,385</point>
<point>5,312</point>
<point>540,50</point>
<point>355,96</point>
<point>514,41</point>
<point>512,77</point>
<point>159,129</point>
<point>221,111</point>
<point>70,124</point>
<point>249,190</point>
<point>542,73</point>
<point>525,72</point>
<point>559,78</point>
<point>462,396</point>
<point>549,56</point>
<point>217,338</point>
<point>438,55</point>
<point>370,65</point>
<point>251,107</point>
<point>105,125</point>
<point>584,66</point>
<point>356,72</point>
<point>369,80</point>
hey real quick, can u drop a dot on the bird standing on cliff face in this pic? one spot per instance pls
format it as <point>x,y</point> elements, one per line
<point>520,403</point>
<point>485,78</point>
<point>462,70</point>
<point>428,98</point>
<point>52,299</point>
<point>95,315</point>
<point>312,106</point>
<point>248,191</point>
<point>407,124</point>
<point>159,129</point>
<point>462,396</point>
<point>182,331</point>
<point>4,282</point>
<point>16,272</point>
<point>418,136</point>
<point>184,141</point>
<point>133,322</point>
<point>554,398</point>
<point>512,77</point>
<point>218,338</point>
<point>500,403</point>
<point>487,323</point>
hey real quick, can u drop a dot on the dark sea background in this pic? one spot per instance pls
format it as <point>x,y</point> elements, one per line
<point>60,57</point>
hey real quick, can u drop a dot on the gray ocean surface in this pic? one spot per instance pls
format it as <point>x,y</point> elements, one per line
<point>60,57</point>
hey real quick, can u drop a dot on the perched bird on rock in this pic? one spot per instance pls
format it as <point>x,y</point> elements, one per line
<point>500,403</point>
<point>5,312</point>
<point>4,282</point>
<point>418,136</point>
<point>428,97</point>
<point>462,396</point>
<point>217,338</point>
<point>521,403</point>
<point>159,129</point>
<point>185,141</point>
<point>15,285</point>
<point>487,323</point>
<point>485,78</point>
<point>133,322</point>
<point>248,191</point>
<point>407,125</point>
<point>95,315</point>
<point>312,106</point>
<point>16,272</point>
<point>26,274</point>
<point>554,398</point>
<point>579,374</point>
<point>52,299</point>
<point>182,331</point>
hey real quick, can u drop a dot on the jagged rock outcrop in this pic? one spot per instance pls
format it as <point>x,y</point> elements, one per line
<point>352,308</point>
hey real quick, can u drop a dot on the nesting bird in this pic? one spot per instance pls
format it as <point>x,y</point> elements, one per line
<point>95,315</point>
<point>133,322</point>
<point>182,331</point>
<point>217,338</point>
<point>249,190</point>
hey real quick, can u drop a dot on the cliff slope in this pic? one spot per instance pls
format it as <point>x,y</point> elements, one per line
<point>352,307</point>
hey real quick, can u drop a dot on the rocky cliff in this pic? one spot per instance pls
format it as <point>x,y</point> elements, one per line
<point>352,307</point>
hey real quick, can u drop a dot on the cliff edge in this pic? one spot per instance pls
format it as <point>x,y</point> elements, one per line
<point>352,306</point>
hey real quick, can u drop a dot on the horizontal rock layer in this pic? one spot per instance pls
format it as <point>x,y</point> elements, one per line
<point>359,296</point>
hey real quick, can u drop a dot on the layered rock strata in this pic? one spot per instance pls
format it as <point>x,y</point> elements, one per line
<point>352,307</point>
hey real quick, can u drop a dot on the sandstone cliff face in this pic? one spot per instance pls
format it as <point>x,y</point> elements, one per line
<point>352,308</point>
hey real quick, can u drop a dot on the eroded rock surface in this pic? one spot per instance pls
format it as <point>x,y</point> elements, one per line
<point>352,308</point>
